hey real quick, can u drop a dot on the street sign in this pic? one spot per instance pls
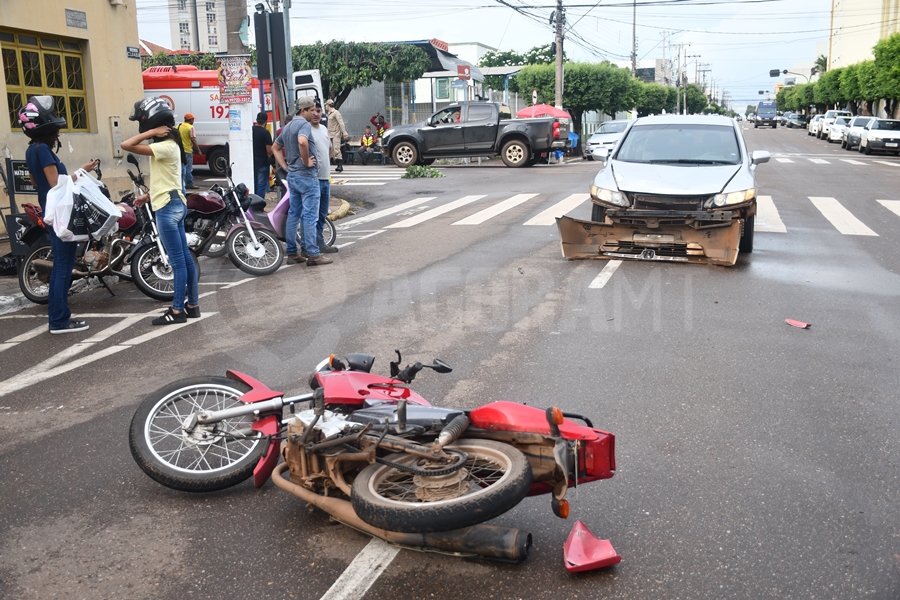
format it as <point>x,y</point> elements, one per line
<point>534,96</point>
<point>458,83</point>
<point>463,72</point>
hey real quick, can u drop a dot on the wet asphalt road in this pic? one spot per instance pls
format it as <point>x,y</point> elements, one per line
<point>756,460</point>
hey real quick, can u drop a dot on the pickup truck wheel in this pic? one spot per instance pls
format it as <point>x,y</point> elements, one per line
<point>598,213</point>
<point>746,242</point>
<point>405,155</point>
<point>515,153</point>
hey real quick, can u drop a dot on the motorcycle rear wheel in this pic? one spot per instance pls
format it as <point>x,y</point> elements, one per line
<point>205,460</point>
<point>329,234</point>
<point>34,284</point>
<point>263,260</point>
<point>152,277</point>
<point>498,477</point>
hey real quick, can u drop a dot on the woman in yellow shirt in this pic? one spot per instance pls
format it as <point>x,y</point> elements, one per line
<point>157,123</point>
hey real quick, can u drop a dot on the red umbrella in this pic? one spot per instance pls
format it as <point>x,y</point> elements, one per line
<point>543,110</point>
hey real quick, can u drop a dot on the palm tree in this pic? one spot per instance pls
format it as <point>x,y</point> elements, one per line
<point>821,63</point>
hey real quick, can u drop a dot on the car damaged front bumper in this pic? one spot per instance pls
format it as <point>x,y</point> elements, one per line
<point>660,237</point>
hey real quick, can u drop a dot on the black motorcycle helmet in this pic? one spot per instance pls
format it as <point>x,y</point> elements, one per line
<point>151,113</point>
<point>38,118</point>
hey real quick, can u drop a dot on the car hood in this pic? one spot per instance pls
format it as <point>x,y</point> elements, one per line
<point>681,180</point>
<point>604,138</point>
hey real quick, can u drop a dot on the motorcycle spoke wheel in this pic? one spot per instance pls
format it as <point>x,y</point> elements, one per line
<point>328,233</point>
<point>494,479</point>
<point>208,457</point>
<point>151,275</point>
<point>262,259</point>
<point>35,284</point>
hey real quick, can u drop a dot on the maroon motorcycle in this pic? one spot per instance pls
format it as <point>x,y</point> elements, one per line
<point>377,456</point>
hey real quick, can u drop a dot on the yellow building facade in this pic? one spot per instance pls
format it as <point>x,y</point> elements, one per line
<point>856,26</point>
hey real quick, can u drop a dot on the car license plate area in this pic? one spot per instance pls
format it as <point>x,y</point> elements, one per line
<point>653,238</point>
<point>890,144</point>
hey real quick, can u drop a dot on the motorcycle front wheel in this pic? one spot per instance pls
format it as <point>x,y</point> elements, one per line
<point>35,284</point>
<point>154,278</point>
<point>494,479</point>
<point>264,259</point>
<point>210,456</point>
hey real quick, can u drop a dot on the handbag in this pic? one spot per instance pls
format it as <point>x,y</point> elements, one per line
<point>60,204</point>
<point>95,207</point>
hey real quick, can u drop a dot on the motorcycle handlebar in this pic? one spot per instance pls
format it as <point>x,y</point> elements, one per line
<point>409,373</point>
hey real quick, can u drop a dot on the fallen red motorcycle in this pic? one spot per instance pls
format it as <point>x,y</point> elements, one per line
<point>377,456</point>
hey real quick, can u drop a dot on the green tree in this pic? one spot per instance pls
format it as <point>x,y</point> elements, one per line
<point>346,66</point>
<point>828,89</point>
<point>655,98</point>
<point>869,92</point>
<point>751,108</point>
<point>161,59</point>
<point>887,67</point>
<point>696,99</point>
<point>784,99</point>
<point>539,55</point>
<point>850,86</point>
<point>821,63</point>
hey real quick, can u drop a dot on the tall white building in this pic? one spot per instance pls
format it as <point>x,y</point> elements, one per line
<point>198,25</point>
<point>856,26</point>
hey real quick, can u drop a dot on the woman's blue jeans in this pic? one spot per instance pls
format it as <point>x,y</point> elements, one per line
<point>170,222</point>
<point>60,280</point>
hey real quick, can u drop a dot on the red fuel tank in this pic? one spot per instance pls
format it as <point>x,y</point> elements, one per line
<point>206,203</point>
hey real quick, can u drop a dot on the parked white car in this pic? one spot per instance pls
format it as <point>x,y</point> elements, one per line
<point>813,126</point>
<point>836,132</point>
<point>828,119</point>
<point>880,135</point>
<point>853,130</point>
<point>606,136</point>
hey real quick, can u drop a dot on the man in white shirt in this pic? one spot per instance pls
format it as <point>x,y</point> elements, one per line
<point>323,147</point>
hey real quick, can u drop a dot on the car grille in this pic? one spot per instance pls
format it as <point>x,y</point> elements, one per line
<point>626,247</point>
<point>648,202</point>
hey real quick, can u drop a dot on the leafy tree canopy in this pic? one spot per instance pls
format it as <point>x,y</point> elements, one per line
<point>656,98</point>
<point>539,55</point>
<point>821,63</point>
<point>161,59</point>
<point>346,66</point>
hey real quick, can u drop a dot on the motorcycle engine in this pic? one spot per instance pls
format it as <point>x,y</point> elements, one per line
<point>96,260</point>
<point>193,240</point>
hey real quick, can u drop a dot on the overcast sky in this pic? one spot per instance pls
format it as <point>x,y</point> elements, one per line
<point>739,41</point>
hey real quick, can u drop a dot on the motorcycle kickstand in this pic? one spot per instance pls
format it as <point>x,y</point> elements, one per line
<point>108,289</point>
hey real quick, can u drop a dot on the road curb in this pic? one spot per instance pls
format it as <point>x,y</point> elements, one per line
<point>14,303</point>
<point>341,212</point>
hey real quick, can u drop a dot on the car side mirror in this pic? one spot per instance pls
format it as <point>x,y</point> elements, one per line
<point>759,157</point>
<point>600,154</point>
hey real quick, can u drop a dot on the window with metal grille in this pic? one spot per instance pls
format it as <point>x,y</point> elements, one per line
<point>442,89</point>
<point>184,27</point>
<point>211,29</point>
<point>213,40</point>
<point>210,7</point>
<point>39,65</point>
<point>182,4</point>
<point>210,17</point>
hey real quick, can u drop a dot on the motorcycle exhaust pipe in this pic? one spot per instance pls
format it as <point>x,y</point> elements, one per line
<point>487,541</point>
<point>42,266</point>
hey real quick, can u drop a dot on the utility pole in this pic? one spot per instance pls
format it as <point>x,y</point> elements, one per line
<point>235,13</point>
<point>560,20</point>
<point>634,41</point>
<point>678,82</point>
<point>686,57</point>
<point>665,64</point>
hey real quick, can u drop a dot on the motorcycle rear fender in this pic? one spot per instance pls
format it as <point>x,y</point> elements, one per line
<point>259,391</point>
<point>268,426</point>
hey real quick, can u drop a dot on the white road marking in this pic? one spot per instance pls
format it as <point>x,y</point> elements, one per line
<point>436,212</point>
<point>383,213</point>
<point>888,163</point>
<point>784,160</point>
<point>482,216</point>
<point>852,162</point>
<point>548,217</point>
<point>358,183</point>
<point>607,272</point>
<point>819,161</point>
<point>31,333</point>
<point>842,219</point>
<point>33,375</point>
<point>891,205</point>
<point>767,217</point>
<point>360,574</point>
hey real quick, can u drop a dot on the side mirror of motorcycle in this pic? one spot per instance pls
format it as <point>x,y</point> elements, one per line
<point>133,160</point>
<point>440,366</point>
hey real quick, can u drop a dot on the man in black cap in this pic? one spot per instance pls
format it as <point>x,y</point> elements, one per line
<point>262,150</point>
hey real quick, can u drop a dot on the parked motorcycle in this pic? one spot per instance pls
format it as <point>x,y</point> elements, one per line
<point>374,454</point>
<point>276,219</point>
<point>107,256</point>
<point>150,268</point>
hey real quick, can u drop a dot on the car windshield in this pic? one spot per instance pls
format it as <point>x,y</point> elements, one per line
<point>680,144</point>
<point>612,127</point>
<point>841,121</point>
<point>891,125</point>
<point>861,122</point>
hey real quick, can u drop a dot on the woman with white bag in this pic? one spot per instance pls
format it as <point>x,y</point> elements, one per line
<point>41,124</point>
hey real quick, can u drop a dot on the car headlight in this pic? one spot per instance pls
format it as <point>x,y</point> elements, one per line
<point>733,197</point>
<point>610,196</point>
<point>874,136</point>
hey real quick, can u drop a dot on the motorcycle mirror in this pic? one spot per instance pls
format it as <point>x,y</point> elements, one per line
<point>133,160</point>
<point>441,367</point>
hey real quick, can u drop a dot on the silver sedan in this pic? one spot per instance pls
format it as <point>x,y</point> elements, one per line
<point>852,131</point>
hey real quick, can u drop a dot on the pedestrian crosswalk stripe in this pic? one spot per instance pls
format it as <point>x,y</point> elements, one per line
<point>344,182</point>
<point>819,161</point>
<point>888,163</point>
<point>548,217</point>
<point>852,162</point>
<point>482,216</point>
<point>767,217</point>
<point>891,205</point>
<point>784,160</point>
<point>435,212</point>
<point>607,272</point>
<point>842,219</point>
<point>384,213</point>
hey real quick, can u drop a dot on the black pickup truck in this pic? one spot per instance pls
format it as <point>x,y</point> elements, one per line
<point>475,129</point>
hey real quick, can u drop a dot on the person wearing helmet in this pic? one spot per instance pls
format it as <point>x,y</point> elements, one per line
<point>156,124</point>
<point>41,124</point>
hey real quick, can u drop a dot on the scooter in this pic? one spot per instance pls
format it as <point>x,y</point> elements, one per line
<point>276,219</point>
<point>376,456</point>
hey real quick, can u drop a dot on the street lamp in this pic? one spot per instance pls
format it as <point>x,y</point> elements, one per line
<point>776,73</point>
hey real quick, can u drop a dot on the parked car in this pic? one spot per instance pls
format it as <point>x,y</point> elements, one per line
<point>853,130</point>
<point>605,136</point>
<point>784,118</point>
<point>674,189</point>
<point>813,127</point>
<point>751,118</point>
<point>475,129</point>
<point>836,131</point>
<point>828,119</point>
<point>797,120</point>
<point>880,135</point>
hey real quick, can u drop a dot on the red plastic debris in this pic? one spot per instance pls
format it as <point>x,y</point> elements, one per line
<point>584,552</point>
<point>799,324</point>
